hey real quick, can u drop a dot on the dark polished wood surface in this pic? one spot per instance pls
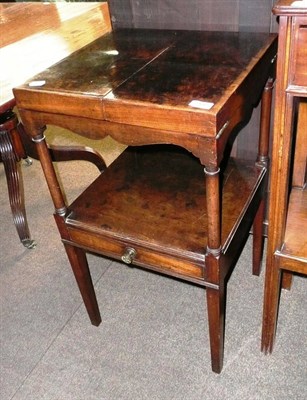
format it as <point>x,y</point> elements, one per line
<point>169,68</point>
<point>148,79</point>
<point>159,68</point>
<point>181,214</point>
<point>163,189</point>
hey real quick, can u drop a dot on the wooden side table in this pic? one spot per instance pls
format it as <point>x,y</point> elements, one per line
<point>287,238</point>
<point>173,202</point>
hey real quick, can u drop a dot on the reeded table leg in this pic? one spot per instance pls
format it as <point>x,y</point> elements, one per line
<point>10,160</point>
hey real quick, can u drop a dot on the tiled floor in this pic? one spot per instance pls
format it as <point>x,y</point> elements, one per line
<point>153,340</point>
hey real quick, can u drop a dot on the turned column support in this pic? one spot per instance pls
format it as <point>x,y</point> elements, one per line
<point>265,124</point>
<point>215,296</point>
<point>262,162</point>
<point>213,211</point>
<point>49,172</point>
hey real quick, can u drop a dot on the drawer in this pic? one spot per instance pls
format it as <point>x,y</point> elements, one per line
<point>132,254</point>
<point>152,199</point>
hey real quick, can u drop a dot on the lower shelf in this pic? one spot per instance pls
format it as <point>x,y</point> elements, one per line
<point>153,199</point>
<point>293,255</point>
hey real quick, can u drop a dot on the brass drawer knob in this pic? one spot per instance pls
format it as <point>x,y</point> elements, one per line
<point>128,255</point>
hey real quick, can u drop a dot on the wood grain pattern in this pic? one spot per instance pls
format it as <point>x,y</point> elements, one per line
<point>55,31</point>
<point>185,215</point>
<point>175,74</point>
<point>294,250</point>
<point>287,218</point>
<point>157,195</point>
<point>300,158</point>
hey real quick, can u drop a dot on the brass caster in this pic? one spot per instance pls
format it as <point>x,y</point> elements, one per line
<point>29,243</point>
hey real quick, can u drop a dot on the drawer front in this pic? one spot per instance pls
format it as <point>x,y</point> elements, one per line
<point>298,57</point>
<point>152,259</point>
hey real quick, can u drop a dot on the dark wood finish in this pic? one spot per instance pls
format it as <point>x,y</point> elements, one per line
<point>11,151</point>
<point>287,239</point>
<point>59,153</point>
<point>163,190</point>
<point>300,160</point>
<point>263,158</point>
<point>183,210</point>
<point>80,269</point>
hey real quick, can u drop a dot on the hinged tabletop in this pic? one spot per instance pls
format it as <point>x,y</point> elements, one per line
<point>176,80</point>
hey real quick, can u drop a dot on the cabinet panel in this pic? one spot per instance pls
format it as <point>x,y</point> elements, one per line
<point>299,72</point>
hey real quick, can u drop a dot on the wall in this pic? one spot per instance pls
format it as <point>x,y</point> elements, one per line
<point>193,14</point>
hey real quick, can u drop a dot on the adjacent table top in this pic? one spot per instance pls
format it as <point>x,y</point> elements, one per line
<point>37,35</point>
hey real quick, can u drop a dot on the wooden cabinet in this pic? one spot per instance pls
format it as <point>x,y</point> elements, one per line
<point>287,241</point>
